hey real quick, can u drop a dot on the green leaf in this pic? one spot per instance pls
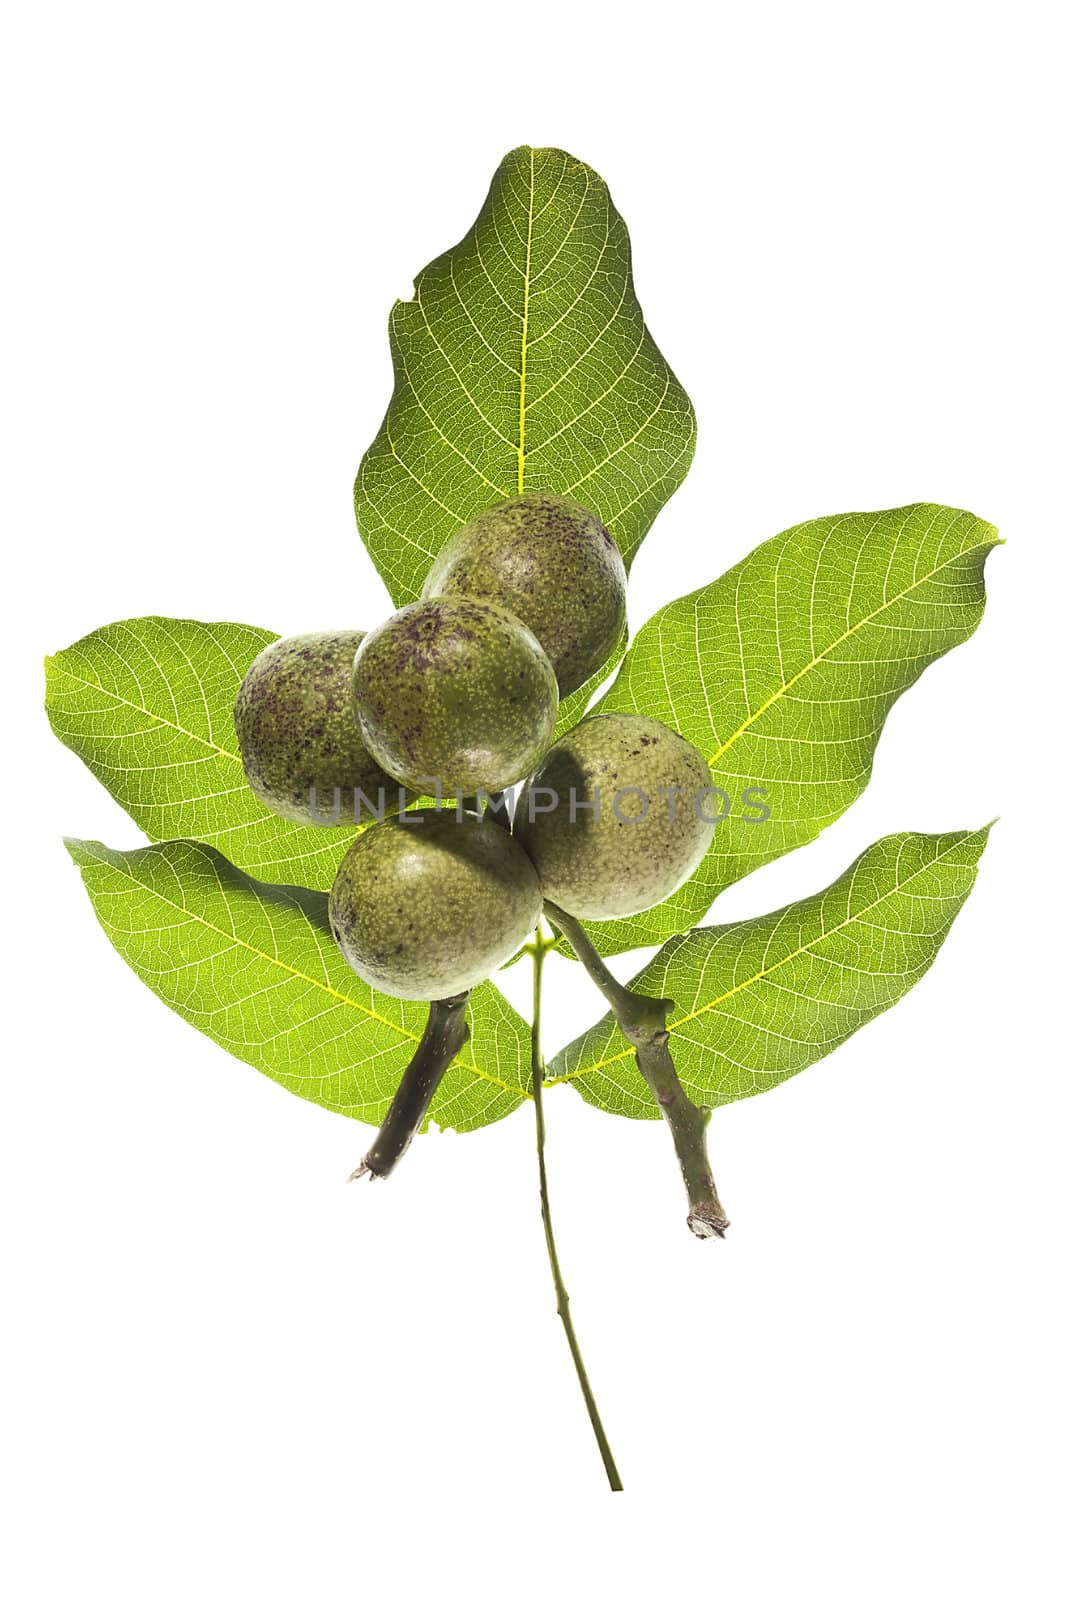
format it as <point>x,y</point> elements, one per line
<point>783,672</point>
<point>255,968</point>
<point>758,1001</point>
<point>523,362</point>
<point>148,705</point>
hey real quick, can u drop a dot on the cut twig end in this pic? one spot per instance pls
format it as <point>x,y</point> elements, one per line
<point>707,1220</point>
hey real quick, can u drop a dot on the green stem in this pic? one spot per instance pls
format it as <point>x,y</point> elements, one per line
<point>445,1031</point>
<point>539,950</point>
<point>642,1019</point>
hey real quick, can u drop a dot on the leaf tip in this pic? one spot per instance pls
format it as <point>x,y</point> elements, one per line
<point>976,841</point>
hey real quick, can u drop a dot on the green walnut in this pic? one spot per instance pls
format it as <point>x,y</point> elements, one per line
<point>551,562</point>
<point>454,696</point>
<point>427,904</point>
<point>616,816</point>
<point>300,743</point>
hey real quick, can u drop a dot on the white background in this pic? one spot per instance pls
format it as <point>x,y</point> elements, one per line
<point>230,1374</point>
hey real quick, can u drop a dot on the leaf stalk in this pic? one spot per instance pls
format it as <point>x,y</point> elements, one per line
<point>445,1032</point>
<point>642,1020</point>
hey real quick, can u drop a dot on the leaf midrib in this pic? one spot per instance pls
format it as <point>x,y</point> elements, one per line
<point>523,375</point>
<point>142,710</point>
<point>790,683</point>
<point>757,977</point>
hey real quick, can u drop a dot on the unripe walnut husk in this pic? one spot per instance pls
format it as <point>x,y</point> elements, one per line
<point>551,562</point>
<point>650,830</point>
<point>429,903</point>
<point>297,731</point>
<point>454,692</point>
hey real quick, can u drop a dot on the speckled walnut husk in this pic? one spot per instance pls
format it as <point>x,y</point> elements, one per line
<point>457,691</point>
<point>619,861</point>
<point>427,904</point>
<point>296,729</point>
<point>551,562</point>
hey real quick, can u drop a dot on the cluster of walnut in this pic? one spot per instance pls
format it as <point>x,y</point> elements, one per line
<point>456,698</point>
